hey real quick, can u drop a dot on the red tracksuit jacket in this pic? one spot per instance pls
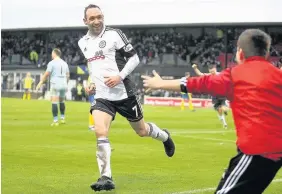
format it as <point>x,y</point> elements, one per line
<point>254,90</point>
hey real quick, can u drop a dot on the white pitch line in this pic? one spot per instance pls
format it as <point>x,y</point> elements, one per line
<point>212,189</point>
<point>195,191</point>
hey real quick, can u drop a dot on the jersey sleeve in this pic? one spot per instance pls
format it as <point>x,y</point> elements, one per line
<point>81,47</point>
<point>217,85</point>
<point>123,45</point>
<point>49,67</point>
<point>67,69</point>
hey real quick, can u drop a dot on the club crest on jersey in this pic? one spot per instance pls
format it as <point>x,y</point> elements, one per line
<point>128,47</point>
<point>102,44</point>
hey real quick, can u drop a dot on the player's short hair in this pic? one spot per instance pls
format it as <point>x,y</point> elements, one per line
<point>254,42</point>
<point>89,7</point>
<point>187,74</point>
<point>57,52</point>
<point>211,66</point>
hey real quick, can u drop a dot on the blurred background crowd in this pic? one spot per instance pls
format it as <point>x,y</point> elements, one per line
<point>173,46</point>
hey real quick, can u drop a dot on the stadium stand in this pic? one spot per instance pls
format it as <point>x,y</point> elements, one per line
<point>165,46</point>
<point>175,48</point>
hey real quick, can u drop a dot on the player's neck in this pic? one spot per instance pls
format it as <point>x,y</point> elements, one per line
<point>95,34</point>
<point>56,58</point>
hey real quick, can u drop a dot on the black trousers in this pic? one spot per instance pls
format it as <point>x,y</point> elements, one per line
<point>248,174</point>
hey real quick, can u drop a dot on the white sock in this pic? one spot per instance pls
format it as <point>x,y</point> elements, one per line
<point>104,156</point>
<point>155,132</point>
<point>222,118</point>
<point>219,117</point>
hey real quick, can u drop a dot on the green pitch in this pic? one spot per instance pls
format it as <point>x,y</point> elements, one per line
<point>40,159</point>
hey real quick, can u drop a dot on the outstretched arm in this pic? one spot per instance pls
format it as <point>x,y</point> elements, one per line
<point>216,85</point>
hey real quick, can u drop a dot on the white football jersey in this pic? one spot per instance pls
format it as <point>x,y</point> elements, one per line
<point>107,55</point>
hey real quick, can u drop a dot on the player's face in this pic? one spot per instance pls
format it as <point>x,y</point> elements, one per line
<point>212,70</point>
<point>94,19</point>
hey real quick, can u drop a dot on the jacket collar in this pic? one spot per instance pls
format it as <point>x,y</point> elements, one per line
<point>255,58</point>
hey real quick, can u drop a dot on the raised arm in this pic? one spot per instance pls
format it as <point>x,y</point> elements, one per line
<point>197,71</point>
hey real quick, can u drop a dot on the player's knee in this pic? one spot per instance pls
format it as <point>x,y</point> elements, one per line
<point>219,110</point>
<point>101,131</point>
<point>55,99</point>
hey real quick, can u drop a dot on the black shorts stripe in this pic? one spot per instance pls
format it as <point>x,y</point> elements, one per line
<point>139,103</point>
<point>248,174</point>
<point>236,174</point>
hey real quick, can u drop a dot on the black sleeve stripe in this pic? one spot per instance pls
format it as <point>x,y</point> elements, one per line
<point>120,33</point>
<point>123,37</point>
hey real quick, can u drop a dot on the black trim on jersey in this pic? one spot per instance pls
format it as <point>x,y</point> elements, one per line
<point>127,54</point>
<point>123,37</point>
<point>122,50</point>
<point>120,33</point>
<point>104,30</point>
<point>128,84</point>
<point>124,53</point>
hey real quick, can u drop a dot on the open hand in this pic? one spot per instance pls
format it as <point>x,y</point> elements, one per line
<point>38,86</point>
<point>112,81</point>
<point>152,82</point>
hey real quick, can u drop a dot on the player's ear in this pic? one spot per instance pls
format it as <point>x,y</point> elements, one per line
<point>241,55</point>
<point>85,21</point>
<point>267,55</point>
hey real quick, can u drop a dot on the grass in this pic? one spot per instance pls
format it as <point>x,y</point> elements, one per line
<point>38,158</point>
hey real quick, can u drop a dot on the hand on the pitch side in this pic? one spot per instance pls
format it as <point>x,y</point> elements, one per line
<point>152,82</point>
<point>38,86</point>
<point>112,81</point>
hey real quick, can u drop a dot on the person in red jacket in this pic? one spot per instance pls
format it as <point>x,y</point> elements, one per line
<point>254,89</point>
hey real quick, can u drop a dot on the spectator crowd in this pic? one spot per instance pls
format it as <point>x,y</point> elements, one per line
<point>154,45</point>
